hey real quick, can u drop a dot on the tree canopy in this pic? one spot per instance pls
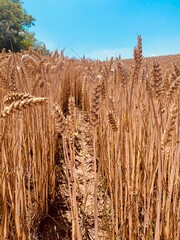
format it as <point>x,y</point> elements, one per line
<point>14,26</point>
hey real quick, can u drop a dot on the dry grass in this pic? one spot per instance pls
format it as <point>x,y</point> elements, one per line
<point>109,130</point>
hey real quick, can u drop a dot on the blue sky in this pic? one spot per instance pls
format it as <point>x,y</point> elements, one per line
<point>105,28</point>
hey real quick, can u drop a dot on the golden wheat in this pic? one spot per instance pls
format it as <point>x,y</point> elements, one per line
<point>170,125</point>
<point>14,96</point>
<point>59,118</point>
<point>22,104</point>
<point>112,172</point>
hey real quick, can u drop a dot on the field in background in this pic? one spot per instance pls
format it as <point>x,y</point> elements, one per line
<point>89,149</point>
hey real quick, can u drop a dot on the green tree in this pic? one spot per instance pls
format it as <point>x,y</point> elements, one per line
<point>14,26</point>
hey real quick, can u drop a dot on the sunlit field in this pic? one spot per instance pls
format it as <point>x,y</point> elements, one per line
<point>89,149</point>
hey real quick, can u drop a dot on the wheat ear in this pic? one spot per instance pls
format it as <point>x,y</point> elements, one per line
<point>59,118</point>
<point>112,122</point>
<point>21,105</point>
<point>173,88</point>
<point>72,112</point>
<point>176,70</point>
<point>122,73</point>
<point>4,80</point>
<point>157,79</point>
<point>170,125</point>
<point>95,103</point>
<point>14,96</point>
<point>139,47</point>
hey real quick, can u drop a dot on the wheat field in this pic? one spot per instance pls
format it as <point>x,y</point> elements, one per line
<point>101,138</point>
